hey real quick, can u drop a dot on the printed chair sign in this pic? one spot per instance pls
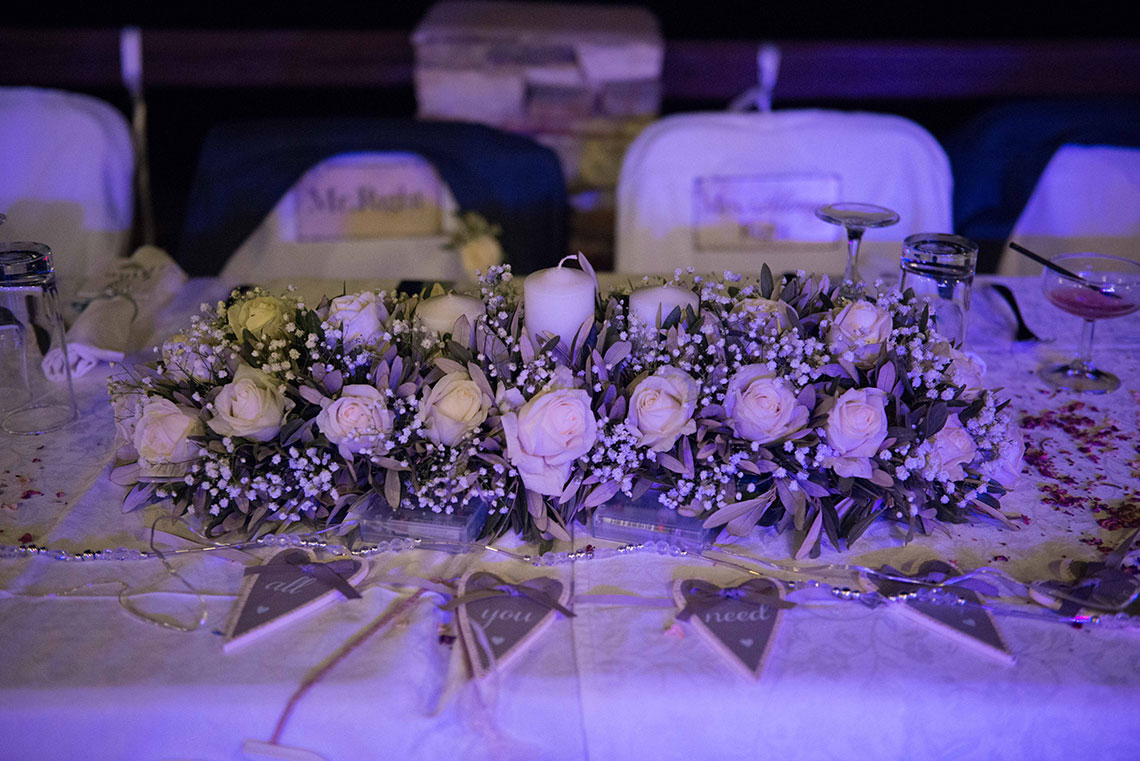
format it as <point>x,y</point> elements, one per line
<point>376,197</point>
<point>750,213</point>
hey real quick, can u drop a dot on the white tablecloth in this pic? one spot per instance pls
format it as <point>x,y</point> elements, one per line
<point>81,678</point>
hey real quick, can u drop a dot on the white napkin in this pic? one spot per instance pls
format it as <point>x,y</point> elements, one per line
<point>120,314</point>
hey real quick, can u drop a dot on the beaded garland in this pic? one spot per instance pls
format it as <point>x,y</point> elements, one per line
<point>928,592</point>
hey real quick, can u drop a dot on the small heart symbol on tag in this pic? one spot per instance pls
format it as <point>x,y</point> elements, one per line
<point>262,609</point>
<point>747,642</point>
<point>498,640</point>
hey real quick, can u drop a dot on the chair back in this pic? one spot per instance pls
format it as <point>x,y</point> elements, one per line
<point>366,198</point>
<point>1088,199</point>
<point>733,191</point>
<point>66,178</point>
<point>359,215</point>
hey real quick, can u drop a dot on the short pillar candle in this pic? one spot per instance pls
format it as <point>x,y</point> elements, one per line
<point>558,300</point>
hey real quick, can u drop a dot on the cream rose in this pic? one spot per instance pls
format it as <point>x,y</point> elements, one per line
<point>263,317</point>
<point>771,311</point>
<point>661,408</point>
<point>161,434</point>
<point>547,434</point>
<point>953,448</point>
<point>184,361</point>
<point>1005,468</point>
<point>359,317</point>
<point>762,408</point>
<point>359,419</point>
<point>967,372</point>
<point>860,327</point>
<point>480,254</point>
<point>855,428</point>
<point>452,407</point>
<point>250,406</point>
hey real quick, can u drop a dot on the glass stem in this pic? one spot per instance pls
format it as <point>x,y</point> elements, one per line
<point>854,238</point>
<point>1083,361</point>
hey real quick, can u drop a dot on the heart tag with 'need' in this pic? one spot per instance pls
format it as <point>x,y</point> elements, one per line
<point>289,586</point>
<point>498,619</point>
<point>740,622</point>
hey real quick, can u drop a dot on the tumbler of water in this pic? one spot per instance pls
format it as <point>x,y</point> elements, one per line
<point>939,268</point>
<point>30,325</point>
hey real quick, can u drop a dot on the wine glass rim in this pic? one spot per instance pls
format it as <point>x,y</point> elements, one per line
<point>857,206</point>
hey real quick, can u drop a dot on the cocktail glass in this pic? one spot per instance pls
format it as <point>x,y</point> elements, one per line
<point>1109,286</point>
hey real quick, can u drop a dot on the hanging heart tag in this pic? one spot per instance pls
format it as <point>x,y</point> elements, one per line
<point>740,622</point>
<point>968,622</point>
<point>285,589</point>
<point>498,619</point>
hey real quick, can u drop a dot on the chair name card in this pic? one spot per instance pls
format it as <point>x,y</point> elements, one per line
<point>367,198</point>
<point>754,212</point>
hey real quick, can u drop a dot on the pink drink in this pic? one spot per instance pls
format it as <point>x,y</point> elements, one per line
<point>1089,304</point>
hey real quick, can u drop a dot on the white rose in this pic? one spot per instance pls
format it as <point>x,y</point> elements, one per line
<point>186,361</point>
<point>452,407</point>
<point>768,311</point>
<point>162,432</point>
<point>250,406</point>
<point>661,408</point>
<point>953,447</point>
<point>359,419</point>
<point>359,317</point>
<point>860,327</point>
<point>856,426</point>
<point>547,434</point>
<point>762,408</point>
<point>480,254</point>
<point>262,316</point>
<point>1005,468</point>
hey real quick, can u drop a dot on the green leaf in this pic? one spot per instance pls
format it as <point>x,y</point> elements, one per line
<point>766,283</point>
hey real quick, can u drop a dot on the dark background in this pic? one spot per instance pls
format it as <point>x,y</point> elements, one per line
<point>179,117</point>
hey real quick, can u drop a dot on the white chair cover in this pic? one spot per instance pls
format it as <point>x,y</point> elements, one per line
<point>1088,199</point>
<point>66,178</point>
<point>735,190</point>
<point>280,247</point>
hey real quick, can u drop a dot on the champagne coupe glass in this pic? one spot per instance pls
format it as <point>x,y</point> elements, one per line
<point>855,219</point>
<point>1109,287</point>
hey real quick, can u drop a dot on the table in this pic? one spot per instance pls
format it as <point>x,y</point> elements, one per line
<point>81,677</point>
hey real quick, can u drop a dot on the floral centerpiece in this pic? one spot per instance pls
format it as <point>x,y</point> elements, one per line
<point>741,401</point>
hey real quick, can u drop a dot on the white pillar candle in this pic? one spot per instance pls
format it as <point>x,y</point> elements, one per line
<point>558,300</point>
<point>439,313</point>
<point>653,303</point>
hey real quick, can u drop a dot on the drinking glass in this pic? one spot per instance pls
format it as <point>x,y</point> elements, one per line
<point>1109,286</point>
<point>856,218</point>
<point>30,325</point>
<point>939,268</point>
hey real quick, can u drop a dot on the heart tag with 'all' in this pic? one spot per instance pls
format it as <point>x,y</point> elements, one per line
<point>740,622</point>
<point>966,622</point>
<point>497,619</point>
<point>290,585</point>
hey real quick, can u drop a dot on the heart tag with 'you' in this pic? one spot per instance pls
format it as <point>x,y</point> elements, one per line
<point>497,619</point>
<point>740,622</point>
<point>286,588</point>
